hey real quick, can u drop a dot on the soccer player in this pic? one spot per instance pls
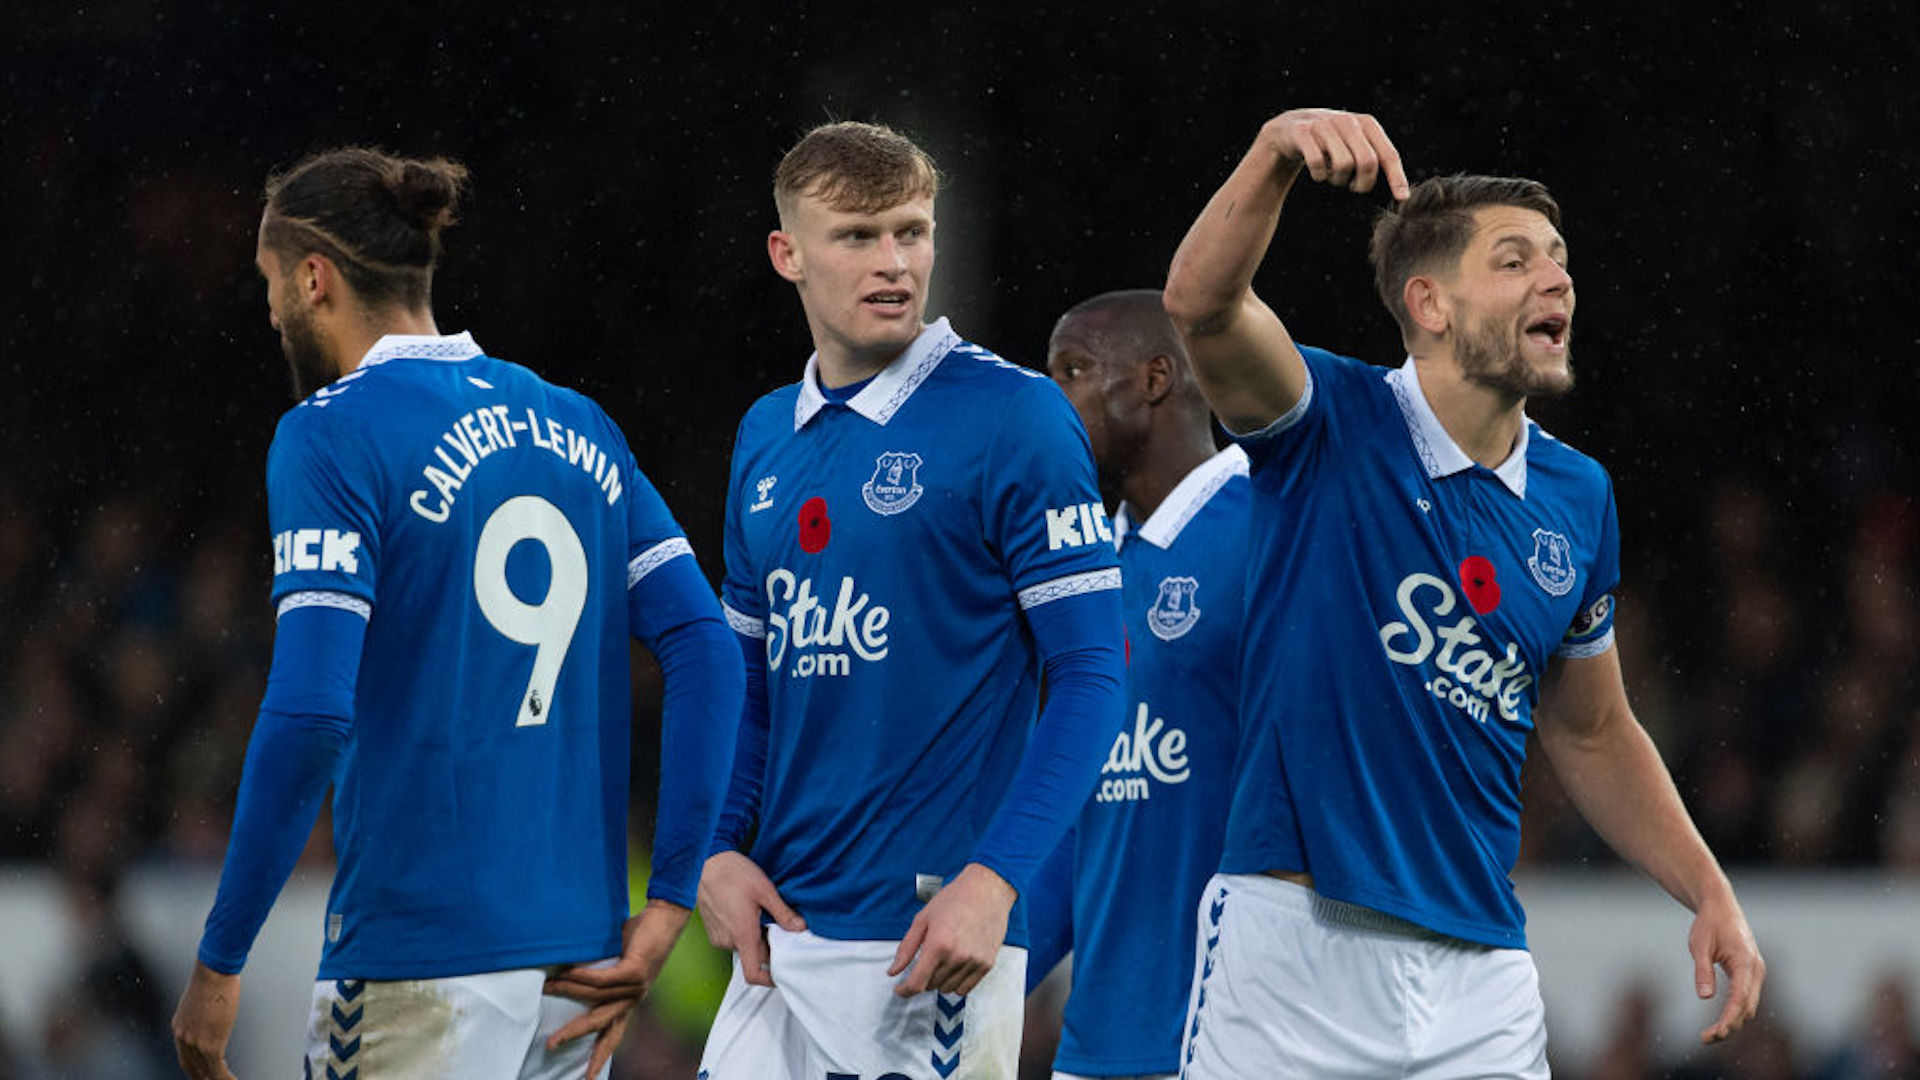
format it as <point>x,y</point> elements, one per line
<point>1424,551</point>
<point>914,533</point>
<point>461,553</point>
<point>1121,894</point>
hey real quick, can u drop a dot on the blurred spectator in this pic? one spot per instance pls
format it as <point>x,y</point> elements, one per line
<point>1886,1046</point>
<point>1760,1051</point>
<point>1628,1054</point>
<point>112,1020</point>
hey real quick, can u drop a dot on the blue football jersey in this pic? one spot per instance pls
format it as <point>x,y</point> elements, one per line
<point>488,526</point>
<point>1403,604</point>
<point>884,549</point>
<point>1152,834</point>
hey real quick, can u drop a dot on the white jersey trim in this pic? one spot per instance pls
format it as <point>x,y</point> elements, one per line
<point>745,625</point>
<point>1188,497</point>
<point>1438,452</point>
<point>1286,419</point>
<point>1072,585</point>
<point>323,598</point>
<point>422,347</point>
<point>881,398</point>
<point>1586,649</point>
<point>656,556</point>
<point>394,347</point>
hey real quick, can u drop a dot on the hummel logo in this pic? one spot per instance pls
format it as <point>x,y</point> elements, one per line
<point>763,490</point>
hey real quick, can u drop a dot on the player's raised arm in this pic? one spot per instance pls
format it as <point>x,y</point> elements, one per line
<point>1247,363</point>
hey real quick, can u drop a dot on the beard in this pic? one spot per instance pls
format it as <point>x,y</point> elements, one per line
<point>1489,354</point>
<point>307,362</point>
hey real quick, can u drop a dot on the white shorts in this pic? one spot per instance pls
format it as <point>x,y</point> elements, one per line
<point>492,1026</point>
<point>832,1015</point>
<point>1288,983</point>
<point>1141,1076</point>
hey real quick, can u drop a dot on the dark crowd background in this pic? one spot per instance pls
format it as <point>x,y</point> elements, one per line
<point>1740,195</point>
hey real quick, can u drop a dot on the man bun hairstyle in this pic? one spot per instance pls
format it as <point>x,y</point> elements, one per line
<point>854,167</point>
<point>1428,231</point>
<point>376,216</point>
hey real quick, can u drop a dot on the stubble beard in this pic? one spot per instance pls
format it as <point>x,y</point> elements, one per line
<point>307,363</point>
<point>1489,354</point>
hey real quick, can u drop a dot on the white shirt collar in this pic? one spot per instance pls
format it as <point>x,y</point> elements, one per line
<point>1163,527</point>
<point>422,347</point>
<point>881,398</point>
<point>1438,452</point>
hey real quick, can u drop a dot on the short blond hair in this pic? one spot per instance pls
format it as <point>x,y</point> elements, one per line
<point>854,167</point>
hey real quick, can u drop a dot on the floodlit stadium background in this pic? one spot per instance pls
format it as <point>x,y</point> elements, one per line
<point>1741,202</point>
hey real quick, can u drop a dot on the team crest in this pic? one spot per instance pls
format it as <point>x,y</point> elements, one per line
<point>896,483</point>
<point>1552,562</point>
<point>1173,612</point>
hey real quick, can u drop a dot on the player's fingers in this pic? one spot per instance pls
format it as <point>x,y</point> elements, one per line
<point>200,1063</point>
<point>1307,138</point>
<point>1353,139</point>
<point>753,960</point>
<point>594,1019</point>
<point>593,995</point>
<point>909,945</point>
<point>604,1046</point>
<point>1389,155</point>
<point>1744,976</point>
<point>1338,160</point>
<point>630,974</point>
<point>776,906</point>
<point>203,1067</point>
<point>965,981</point>
<point>918,979</point>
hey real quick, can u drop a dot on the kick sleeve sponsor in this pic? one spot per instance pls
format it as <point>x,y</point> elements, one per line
<point>1043,511</point>
<point>320,510</point>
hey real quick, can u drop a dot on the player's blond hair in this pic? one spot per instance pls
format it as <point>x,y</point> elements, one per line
<point>1428,231</point>
<point>376,216</point>
<point>854,167</point>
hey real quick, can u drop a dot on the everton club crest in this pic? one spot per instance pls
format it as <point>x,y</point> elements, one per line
<point>1552,562</point>
<point>896,483</point>
<point>1173,612</point>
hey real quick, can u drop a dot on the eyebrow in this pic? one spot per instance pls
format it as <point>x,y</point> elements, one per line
<point>1520,241</point>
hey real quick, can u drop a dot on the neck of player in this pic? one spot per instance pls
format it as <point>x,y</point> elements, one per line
<point>1482,421</point>
<point>1168,455</point>
<point>357,337</point>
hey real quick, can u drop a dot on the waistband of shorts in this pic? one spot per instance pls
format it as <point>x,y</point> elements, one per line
<point>1327,911</point>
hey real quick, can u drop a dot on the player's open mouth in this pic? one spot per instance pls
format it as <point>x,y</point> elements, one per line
<point>1550,331</point>
<point>889,300</point>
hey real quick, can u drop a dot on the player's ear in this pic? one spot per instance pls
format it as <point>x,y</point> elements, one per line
<point>784,255</point>
<point>316,279</point>
<point>1156,378</point>
<point>1427,304</point>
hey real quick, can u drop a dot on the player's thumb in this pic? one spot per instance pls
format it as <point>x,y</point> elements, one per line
<point>788,918</point>
<point>1703,973</point>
